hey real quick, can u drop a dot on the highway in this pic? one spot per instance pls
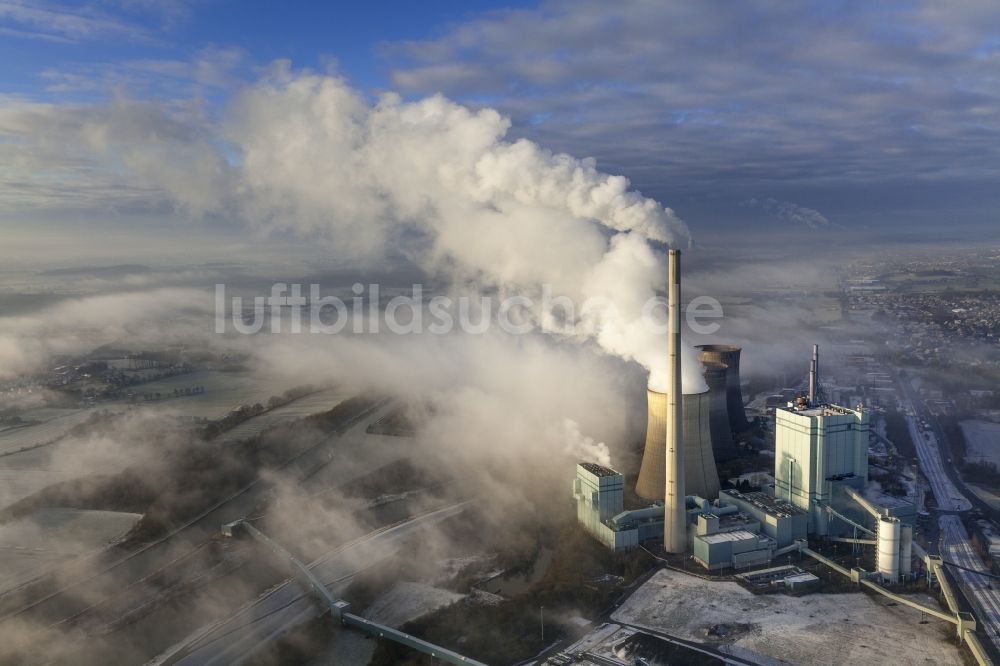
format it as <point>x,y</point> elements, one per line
<point>952,498</point>
<point>287,607</point>
<point>948,497</point>
<point>978,589</point>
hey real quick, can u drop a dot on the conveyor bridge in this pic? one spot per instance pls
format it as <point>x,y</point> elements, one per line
<point>340,609</point>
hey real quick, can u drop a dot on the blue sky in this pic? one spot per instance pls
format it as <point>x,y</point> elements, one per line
<point>778,115</point>
<point>310,34</point>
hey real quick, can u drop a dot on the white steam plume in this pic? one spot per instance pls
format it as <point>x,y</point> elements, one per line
<point>584,448</point>
<point>438,181</point>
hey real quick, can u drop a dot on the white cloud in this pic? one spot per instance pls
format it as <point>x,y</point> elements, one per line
<point>58,23</point>
<point>712,98</point>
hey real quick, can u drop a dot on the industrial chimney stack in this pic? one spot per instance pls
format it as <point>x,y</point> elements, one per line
<point>674,506</point>
<point>814,376</point>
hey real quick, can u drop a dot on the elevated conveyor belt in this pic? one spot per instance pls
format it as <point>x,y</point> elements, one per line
<point>339,609</point>
<point>833,512</point>
<point>964,623</point>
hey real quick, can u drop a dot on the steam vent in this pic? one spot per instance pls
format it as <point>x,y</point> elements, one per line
<point>729,356</point>
<point>700,476</point>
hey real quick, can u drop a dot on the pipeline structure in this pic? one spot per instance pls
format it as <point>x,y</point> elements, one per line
<point>340,609</point>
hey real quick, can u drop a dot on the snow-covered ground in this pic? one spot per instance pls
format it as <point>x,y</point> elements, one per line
<point>406,601</point>
<point>16,484</point>
<point>44,425</point>
<point>827,629</point>
<point>982,439</point>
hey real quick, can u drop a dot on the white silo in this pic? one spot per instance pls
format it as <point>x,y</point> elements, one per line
<point>888,548</point>
<point>905,549</point>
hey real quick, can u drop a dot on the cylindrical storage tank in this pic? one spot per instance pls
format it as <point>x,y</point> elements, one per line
<point>888,549</point>
<point>701,477</point>
<point>905,549</point>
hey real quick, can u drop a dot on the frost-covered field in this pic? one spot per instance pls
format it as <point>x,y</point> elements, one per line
<point>982,440</point>
<point>16,484</point>
<point>820,629</point>
<point>51,424</point>
<point>49,536</point>
<point>301,408</point>
<point>224,391</point>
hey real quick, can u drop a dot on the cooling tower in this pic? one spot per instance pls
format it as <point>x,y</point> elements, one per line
<point>700,475</point>
<point>723,444</point>
<point>729,355</point>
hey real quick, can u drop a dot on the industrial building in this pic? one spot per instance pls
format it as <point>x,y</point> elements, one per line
<point>736,531</point>
<point>820,473</point>
<point>781,521</point>
<point>599,495</point>
<point>821,477</point>
<point>740,549</point>
<point>819,450</point>
<point>789,577</point>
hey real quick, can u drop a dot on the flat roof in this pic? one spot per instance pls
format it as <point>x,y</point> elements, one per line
<point>769,504</point>
<point>820,410</point>
<point>598,470</point>
<point>737,535</point>
<point>738,518</point>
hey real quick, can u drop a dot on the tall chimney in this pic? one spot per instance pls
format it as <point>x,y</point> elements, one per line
<point>674,506</point>
<point>814,376</point>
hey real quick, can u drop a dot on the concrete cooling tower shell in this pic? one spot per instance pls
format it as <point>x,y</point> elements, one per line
<point>723,444</point>
<point>700,475</point>
<point>729,355</point>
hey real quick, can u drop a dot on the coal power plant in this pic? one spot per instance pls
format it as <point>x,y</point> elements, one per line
<point>728,356</point>
<point>700,475</point>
